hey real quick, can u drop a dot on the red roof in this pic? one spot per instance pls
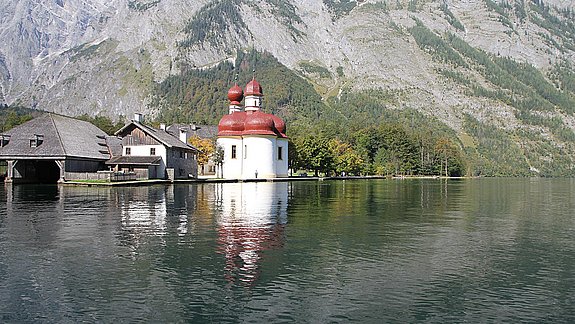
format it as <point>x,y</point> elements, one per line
<point>251,123</point>
<point>235,95</point>
<point>253,88</point>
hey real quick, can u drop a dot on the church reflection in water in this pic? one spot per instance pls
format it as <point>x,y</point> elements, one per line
<point>251,220</point>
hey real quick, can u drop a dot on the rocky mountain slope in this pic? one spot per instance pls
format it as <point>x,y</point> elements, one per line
<point>470,64</point>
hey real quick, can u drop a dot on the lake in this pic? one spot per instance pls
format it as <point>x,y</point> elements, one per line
<point>416,250</point>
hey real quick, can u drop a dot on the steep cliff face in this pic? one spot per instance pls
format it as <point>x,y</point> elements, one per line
<point>92,57</point>
<point>458,61</point>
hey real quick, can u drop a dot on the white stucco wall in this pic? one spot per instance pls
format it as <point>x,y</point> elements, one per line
<point>254,154</point>
<point>144,150</point>
<point>282,168</point>
<point>232,168</point>
<point>260,157</point>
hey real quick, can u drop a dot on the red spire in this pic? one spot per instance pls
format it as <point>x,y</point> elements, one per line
<point>253,88</point>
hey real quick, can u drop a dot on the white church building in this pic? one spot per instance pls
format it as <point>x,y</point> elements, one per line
<point>254,142</point>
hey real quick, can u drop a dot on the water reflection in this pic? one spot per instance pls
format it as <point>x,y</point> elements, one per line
<point>483,250</point>
<point>251,219</point>
<point>154,211</point>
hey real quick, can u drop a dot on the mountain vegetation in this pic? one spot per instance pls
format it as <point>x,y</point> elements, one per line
<point>372,86</point>
<point>14,116</point>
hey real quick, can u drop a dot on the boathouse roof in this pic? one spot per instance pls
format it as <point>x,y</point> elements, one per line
<point>54,136</point>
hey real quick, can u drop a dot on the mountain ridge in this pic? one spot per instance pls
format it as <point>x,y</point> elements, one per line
<point>463,63</point>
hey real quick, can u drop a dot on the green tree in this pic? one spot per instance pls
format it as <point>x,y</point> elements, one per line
<point>316,154</point>
<point>346,159</point>
<point>104,123</point>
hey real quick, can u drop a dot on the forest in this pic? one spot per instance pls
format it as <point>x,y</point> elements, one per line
<point>370,132</point>
<point>357,133</point>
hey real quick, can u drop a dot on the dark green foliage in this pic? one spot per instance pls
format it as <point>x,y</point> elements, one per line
<point>522,86</point>
<point>339,8</point>
<point>497,154</point>
<point>285,12</point>
<point>376,6</point>
<point>368,128</point>
<point>530,76</point>
<point>520,10</point>
<point>104,123</point>
<point>456,76</point>
<point>502,9</point>
<point>212,21</point>
<point>412,5</point>
<point>451,19</point>
<point>139,5</point>
<point>389,148</point>
<point>552,23</point>
<point>563,76</point>
<point>311,68</point>
<point>435,45</point>
<point>12,116</point>
<point>499,7</point>
<point>314,153</point>
<point>563,29</point>
<point>389,141</point>
<point>200,95</point>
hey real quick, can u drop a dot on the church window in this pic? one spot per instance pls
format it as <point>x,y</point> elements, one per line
<point>280,153</point>
<point>245,151</point>
<point>234,153</point>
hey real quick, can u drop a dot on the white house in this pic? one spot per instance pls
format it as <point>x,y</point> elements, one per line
<point>254,142</point>
<point>154,153</point>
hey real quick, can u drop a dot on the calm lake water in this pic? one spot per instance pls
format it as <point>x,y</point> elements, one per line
<point>481,250</point>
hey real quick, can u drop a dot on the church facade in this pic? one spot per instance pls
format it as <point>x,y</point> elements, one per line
<point>254,142</point>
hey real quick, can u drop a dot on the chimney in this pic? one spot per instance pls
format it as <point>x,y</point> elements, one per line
<point>163,127</point>
<point>139,118</point>
<point>183,135</point>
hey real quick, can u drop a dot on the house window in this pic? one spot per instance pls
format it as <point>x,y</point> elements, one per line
<point>4,140</point>
<point>280,153</point>
<point>37,140</point>
<point>182,155</point>
<point>128,151</point>
<point>152,151</point>
<point>234,153</point>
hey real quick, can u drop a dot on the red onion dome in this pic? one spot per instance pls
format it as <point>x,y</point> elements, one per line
<point>235,95</point>
<point>232,124</point>
<point>259,123</point>
<point>280,125</point>
<point>253,88</point>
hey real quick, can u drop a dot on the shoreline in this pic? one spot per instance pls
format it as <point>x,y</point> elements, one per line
<point>220,180</point>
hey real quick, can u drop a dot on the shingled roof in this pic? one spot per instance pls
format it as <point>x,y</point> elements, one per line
<point>61,137</point>
<point>161,136</point>
<point>202,131</point>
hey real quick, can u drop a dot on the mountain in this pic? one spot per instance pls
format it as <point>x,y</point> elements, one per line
<point>499,74</point>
